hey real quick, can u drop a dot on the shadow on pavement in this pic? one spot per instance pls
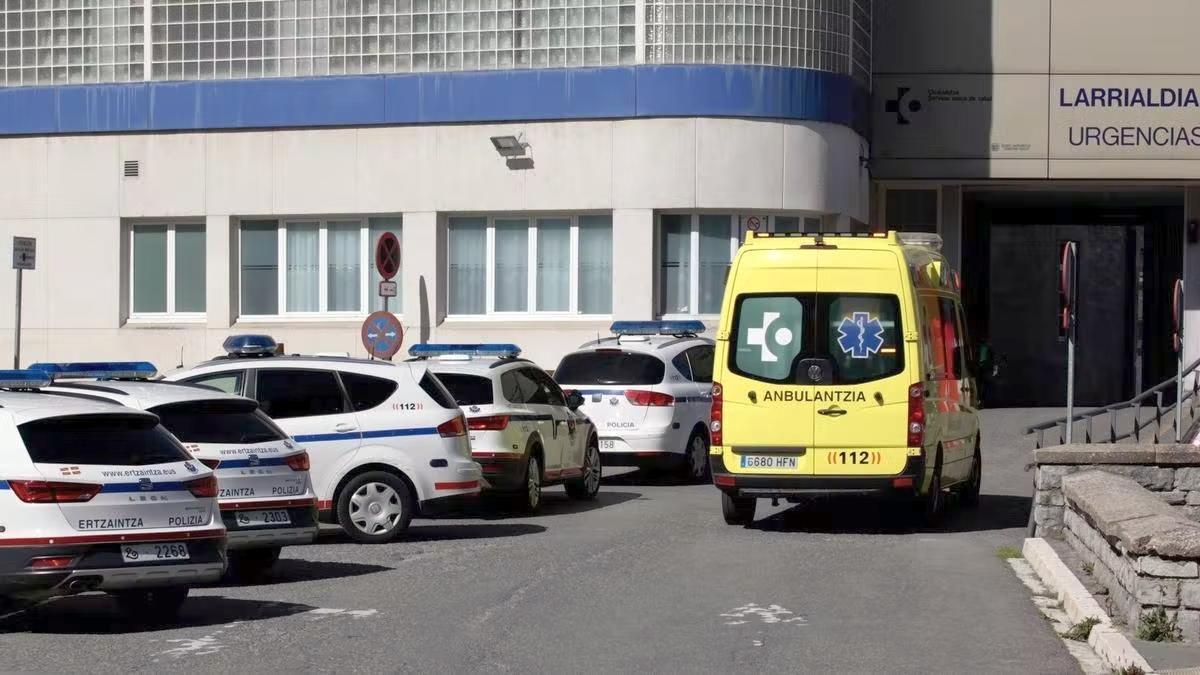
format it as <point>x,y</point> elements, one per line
<point>840,515</point>
<point>555,503</point>
<point>648,478</point>
<point>97,614</point>
<point>431,530</point>
<point>293,570</point>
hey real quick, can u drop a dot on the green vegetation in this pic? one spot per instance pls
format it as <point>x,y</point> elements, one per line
<point>1080,631</point>
<point>1157,626</point>
<point>1006,552</point>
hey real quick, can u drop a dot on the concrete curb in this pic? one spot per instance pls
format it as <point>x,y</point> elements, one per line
<point>1109,643</point>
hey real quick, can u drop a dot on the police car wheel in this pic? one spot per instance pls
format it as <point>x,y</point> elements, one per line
<point>375,507</point>
<point>970,493</point>
<point>587,485</point>
<point>252,564</point>
<point>529,498</point>
<point>151,605</point>
<point>695,461</point>
<point>737,510</point>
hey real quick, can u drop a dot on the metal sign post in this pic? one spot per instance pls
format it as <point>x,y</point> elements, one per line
<point>24,258</point>
<point>387,262</point>
<point>1068,288</point>
<point>1177,344</point>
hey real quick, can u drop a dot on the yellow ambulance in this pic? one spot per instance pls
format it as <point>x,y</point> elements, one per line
<point>842,366</point>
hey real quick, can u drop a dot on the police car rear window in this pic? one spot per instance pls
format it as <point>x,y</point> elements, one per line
<point>433,386</point>
<point>610,366</point>
<point>116,440</point>
<point>468,389</point>
<point>230,422</point>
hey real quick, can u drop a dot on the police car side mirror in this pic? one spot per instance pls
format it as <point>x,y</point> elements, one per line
<point>574,400</point>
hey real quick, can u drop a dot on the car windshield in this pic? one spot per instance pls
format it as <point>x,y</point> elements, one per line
<point>229,422</point>
<point>609,367</point>
<point>468,389</point>
<point>120,440</point>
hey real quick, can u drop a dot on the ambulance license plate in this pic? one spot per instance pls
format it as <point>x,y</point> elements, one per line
<point>769,462</point>
<point>608,445</point>
<point>147,553</point>
<point>263,518</point>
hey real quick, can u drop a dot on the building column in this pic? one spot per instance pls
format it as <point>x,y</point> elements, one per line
<point>634,269</point>
<point>220,271</point>
<point>422,266</point>
<point>951,224</point>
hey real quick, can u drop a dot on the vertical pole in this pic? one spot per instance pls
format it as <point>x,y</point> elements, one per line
<point>17,326</point>
<point>1070,381</point>
<point>1071,263</point>
<point>1179,395</point>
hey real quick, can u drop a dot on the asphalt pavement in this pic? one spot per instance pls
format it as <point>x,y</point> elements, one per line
<point>648,579</point>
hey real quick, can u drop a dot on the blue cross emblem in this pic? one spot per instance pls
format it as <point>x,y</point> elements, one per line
<point>860,335</point>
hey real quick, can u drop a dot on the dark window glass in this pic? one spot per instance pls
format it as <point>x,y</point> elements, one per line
<point>912,210</point>
<point>121,440</point>
<point>610,366</point>
<point>681,364</point>
<point>701,360</point>
<point>228,382</point>
<point>550,390</point>
<point>437,391</point>
<point>863,336</point>
<point>218,422</point>
<point>468,389</point>
<point>299,393</point>
<point>521,386</point>
<point>952,338</point>
<point>365,391</point>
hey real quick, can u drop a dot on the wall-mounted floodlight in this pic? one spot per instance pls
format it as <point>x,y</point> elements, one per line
<point>509,146</point>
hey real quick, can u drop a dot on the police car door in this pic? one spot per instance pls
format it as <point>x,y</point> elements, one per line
<point>551,418</point>
<point>569,438</point>
<point>311,407</point>
<point>698,403</point>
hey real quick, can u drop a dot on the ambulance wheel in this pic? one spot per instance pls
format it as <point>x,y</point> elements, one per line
<point>587,485</point>
<point>375,507</point>
<point>933,505</point>
<point>529,497</point>
<point>253,564</point>
<point>970,493</point>
<point>152,605</point>
<point>737,510</point>
<point>695,459</point>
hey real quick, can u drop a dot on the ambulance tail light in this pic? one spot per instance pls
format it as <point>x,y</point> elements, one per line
<point>51,492</point>
<point>453,428</point>
<point>297,462</point>
<point>211,463</point>
<point>488,423</point>
<point>715,430</point>
<point>640,397</point>
<point>916,416</point>
<point>202,488</point>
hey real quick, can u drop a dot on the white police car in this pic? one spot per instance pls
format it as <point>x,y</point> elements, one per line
<point>525,432</point>
<point>385,440</point>
<point>98,497</point>
<point>266,498</point>
<point>648,390</point>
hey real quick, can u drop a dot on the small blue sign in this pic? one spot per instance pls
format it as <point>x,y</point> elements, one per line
<point>860,335</point>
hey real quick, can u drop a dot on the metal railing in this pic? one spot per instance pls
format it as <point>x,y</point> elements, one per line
<point>1130,419</point>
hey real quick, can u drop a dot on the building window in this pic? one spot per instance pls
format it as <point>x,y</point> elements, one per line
<point>696,250</point>
<point>310,266</point>
<point>912,210</point>
<point>521,265</point>
<point>167,265</point>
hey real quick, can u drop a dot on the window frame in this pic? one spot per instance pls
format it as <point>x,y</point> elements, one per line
<point>170,315</point>
<point>907,186</point>
<point>737,233</point>
<point>531,312</point>
<point>366,272</point>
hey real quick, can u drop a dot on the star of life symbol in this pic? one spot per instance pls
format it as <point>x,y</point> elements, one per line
<point>860,335</point>
<point>758,337</point>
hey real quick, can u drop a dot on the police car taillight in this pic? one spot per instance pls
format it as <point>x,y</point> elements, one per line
<point>203,488</point>
<point>297,462</point>
<point>51,562</point>
<point>452,428</point>
<point>488,423</point>
<point>916,416</point>
<point>715,413</point>
<point>640,397</point>
<point>53,492</point>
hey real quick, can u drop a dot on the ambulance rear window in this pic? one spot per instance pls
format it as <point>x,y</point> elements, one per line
<point>118,440</point>
<point>231,422</point>
<point>610,366</point>
<point>468,389</point>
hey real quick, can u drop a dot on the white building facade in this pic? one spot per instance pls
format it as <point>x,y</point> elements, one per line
<point>196,169</point>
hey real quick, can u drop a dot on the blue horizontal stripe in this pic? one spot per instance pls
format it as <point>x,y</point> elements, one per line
<point>3,485</point>
<point>380,433</point>
<point>243,463</point>
<point>168,486</point>
<point>439,98</point>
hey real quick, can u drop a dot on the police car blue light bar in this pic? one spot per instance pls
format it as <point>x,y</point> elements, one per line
<point>657,327</point>
<point>23,379</point>
<point>100,370</point>
<point>502,350</point>
<point>249,345</point>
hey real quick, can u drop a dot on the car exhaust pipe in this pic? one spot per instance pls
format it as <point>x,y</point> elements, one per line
<point>84,584</point>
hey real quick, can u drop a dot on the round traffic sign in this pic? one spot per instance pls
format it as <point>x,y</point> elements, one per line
<point>387,255</point>
<point>753,223</point>
<point>382,335</point>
